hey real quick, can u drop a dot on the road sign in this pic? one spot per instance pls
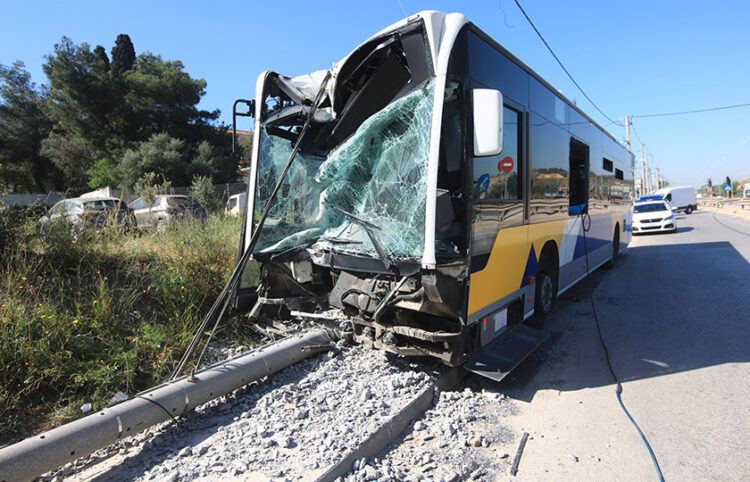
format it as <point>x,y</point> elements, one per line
<point>483,182</point>
<point>727,187</point>
<point>505,165</point>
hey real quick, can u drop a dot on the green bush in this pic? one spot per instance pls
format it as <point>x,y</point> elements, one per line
<point>204,192</point>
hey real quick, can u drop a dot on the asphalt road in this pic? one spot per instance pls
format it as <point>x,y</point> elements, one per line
<point>675,314</point>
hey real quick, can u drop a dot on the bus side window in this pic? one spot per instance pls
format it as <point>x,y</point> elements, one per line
<point>497,177</point>
<point>579,177</point>
<point>450,226</point>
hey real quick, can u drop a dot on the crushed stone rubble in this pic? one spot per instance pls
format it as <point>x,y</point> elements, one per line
<point>460,438</point>
<point>296,424</point>
<point>291,426</point>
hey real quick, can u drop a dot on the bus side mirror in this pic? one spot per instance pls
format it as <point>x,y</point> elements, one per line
<point>488,122</point>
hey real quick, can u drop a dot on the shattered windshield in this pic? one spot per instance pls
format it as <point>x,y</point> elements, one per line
<point>378,174</point>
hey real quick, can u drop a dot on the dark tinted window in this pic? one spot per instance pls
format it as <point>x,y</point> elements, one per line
<point>100,204</point>
<point>180,201</point>
<point>607,165</point>
<point>497,177</point>
<point>650,207</point>
<point>547,104</point>
<point>550,145</point>
<point>579,170</point>
<point>492,69</point>
<point>619,174</point>
<point>450,236</point>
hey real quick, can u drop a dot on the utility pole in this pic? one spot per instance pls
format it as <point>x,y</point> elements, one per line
<point>644,180</point>
<point>627,131</point>
<point>658,178</point>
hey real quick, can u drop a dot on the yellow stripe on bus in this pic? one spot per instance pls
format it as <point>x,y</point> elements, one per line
<point>507,262</point>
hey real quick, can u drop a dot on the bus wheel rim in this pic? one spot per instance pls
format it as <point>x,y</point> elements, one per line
<point>546,293</point>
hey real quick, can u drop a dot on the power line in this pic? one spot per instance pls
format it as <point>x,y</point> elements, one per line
<point>693,111</point>
<point>561,64</point>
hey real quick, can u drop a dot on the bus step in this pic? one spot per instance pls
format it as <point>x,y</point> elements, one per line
<point>497,359</point>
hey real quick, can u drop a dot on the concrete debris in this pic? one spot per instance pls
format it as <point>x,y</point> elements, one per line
<point>117,398</point>
<point>298,422</point>
<point>437,447</point>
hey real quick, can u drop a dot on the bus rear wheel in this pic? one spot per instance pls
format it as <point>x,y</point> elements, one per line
<point>545,291</point>
<point>615,248</point>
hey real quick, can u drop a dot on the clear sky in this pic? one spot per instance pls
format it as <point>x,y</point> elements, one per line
<point>636,57</point>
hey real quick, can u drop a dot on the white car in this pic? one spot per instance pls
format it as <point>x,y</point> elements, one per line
<point>653,216</point>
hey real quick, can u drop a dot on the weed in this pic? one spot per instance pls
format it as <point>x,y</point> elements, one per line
<point>85,314</point>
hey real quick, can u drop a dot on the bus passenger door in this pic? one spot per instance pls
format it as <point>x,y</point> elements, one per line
<point>573,256</point>
<point>499,244</point>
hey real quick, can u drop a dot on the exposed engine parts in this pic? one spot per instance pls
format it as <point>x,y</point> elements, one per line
<point>407,315</point>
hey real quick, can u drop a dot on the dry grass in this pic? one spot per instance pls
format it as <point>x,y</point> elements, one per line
<point>86,315</point>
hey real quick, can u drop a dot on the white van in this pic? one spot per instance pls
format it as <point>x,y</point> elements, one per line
<point>236,204</point>
<point>680,198</point>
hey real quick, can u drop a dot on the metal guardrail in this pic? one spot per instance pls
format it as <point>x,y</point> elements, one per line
<point>733,204</point>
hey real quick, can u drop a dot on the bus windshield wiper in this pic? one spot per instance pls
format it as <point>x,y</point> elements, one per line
<point>340,240</point>
<point>368,227</point>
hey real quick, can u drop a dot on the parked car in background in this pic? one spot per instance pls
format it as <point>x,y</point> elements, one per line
<point>166,210</point>
<point>679,198</point>
<point>236,204</point>
<point>90,212</point>
<point>653,216</point>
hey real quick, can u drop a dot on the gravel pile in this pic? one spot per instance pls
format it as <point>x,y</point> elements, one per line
<point>291,426</point>
<point>460,438</point>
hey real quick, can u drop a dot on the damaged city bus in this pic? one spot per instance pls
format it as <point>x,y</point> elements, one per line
<point>434,190</point>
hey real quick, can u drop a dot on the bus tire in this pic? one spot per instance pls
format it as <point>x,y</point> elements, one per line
<point>615,248</point>
<point>545,290</point>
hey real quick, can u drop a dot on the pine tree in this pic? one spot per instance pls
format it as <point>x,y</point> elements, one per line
<point>123,54</point>
<point>101,56</point>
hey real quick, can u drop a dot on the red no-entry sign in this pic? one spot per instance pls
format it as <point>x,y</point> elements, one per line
<point>505,165</point>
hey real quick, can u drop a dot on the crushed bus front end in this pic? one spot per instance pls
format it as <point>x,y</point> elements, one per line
<point>349,234</point>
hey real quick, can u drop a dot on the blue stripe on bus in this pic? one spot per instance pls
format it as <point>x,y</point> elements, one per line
<point>531,266</point>
<point>598,235</point>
